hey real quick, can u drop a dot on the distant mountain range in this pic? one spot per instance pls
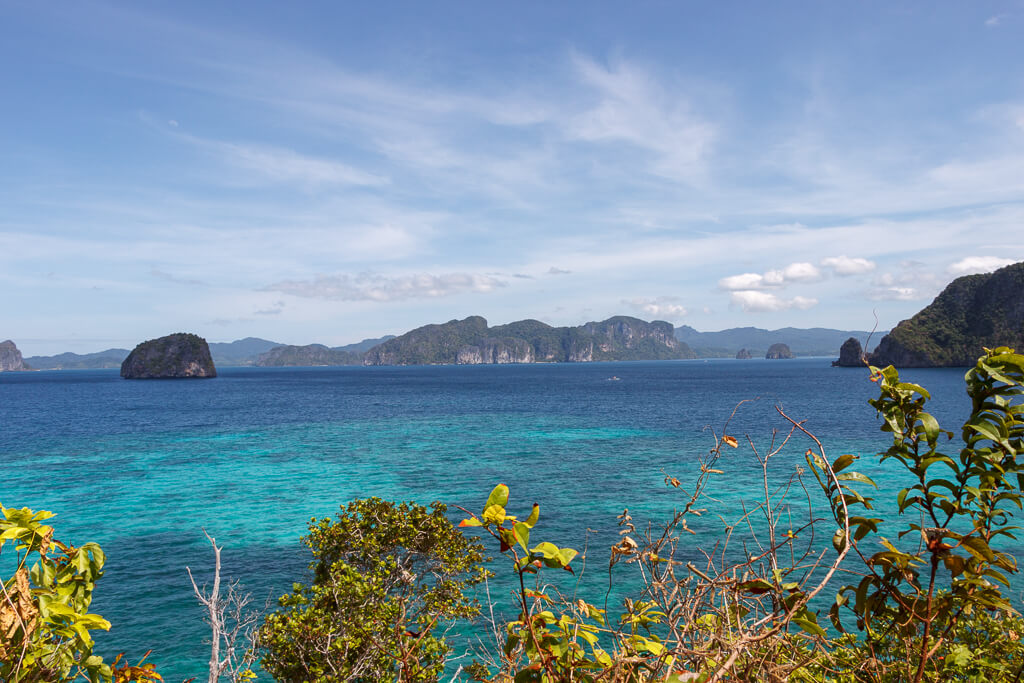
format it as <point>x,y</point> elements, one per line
<point>317,354</point>
<point>248,351</point>
<point>816,341</point>
<point>526,341</point>
<point>111,358</point>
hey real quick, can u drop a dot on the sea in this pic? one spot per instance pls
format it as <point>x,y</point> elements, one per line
<point>146,467</point>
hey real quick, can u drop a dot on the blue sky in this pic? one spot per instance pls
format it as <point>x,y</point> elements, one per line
<point>326,172</point>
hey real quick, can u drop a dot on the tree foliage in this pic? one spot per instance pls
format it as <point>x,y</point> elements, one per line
<point>388,580</point>
<point>45,622</point>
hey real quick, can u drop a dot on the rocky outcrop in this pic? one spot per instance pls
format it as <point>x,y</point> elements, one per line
<point>743,354</point>
<point>972,313</point>
<point>10,358</point>
<point>176,356</point>
<point>471,341</point>
<point>778,351</point>
<point>851,354</point>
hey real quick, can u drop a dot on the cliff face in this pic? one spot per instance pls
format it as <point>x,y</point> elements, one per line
<point>176,356</point>
<point>778,352</point>
<point>10,358</point>
<point>471,341</point>
<point>971,313</point>
<point>851,354</point>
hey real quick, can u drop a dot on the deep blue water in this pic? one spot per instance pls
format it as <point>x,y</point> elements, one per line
<point>144,466</point>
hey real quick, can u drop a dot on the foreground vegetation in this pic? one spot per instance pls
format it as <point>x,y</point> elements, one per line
<point>918,597</point>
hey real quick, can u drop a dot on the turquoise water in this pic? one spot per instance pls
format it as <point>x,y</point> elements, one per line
<point>144,467</point>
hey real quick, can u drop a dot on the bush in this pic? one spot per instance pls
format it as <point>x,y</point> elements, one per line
<point>388,580</point>
<point>45,621</point>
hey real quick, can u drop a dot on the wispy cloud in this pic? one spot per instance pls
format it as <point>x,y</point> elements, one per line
<point>894,293</point>
<point>375,287</point>
<point>170,277</point>
<point>637,109</point>
<point>913,281</point>
<point>844,265</point>
<point>274,309</point>
<point>275,164</point>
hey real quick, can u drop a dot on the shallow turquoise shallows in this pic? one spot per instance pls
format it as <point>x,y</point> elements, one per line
<point>144,466</point>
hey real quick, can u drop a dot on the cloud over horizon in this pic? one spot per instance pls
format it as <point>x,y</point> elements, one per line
<point>376,287</point>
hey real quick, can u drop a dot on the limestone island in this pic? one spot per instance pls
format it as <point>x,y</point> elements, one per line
<point>10,358</point>
<point>851,355</point>
<point>972,313</point>
<point>778,351</point>
<point>176,356</point>
<point>743,354</point>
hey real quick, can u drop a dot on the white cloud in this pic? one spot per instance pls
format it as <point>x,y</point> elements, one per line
<point>978,264</point>
<point>894,293</point>
<point>801,272</point>
<point>667,307</point>
<point>558,271</point>
<point>844,265</point>
<point>375,287</point>
<point>794,272</point>
<point>744,281</point>
<point>761,302</point>
<point>994,21</point>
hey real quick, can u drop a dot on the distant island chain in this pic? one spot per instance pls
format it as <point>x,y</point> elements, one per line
<point>973,312</point>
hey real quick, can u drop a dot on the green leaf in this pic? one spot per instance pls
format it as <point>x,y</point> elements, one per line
<point>755,586</point>
<point>809,624</point>
<point>499,496</point>
<point>534,516</point>
<point>842,462</point>
<point>521,532</point>
<point>856,476</point>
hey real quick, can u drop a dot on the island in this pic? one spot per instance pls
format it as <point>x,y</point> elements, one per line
<point>743,354</point>
<point>10,358</point>
<point>851,354</point>
<point>972,313</point>
<point>310,355</point>
<point>471,341</point>
<point>176,356</point>
<point>779,351</point>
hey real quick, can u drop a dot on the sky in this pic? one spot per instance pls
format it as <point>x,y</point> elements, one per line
<point>328,172</point>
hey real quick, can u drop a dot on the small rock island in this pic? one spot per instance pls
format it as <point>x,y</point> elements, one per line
<point>851,354</point>
<point>743,354</point>
<point>779,351</point>
<point>176,356</point>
